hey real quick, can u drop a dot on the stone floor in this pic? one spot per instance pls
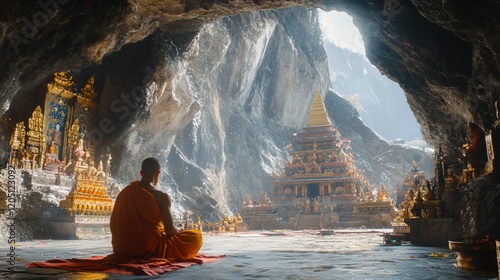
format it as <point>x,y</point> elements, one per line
<point>293,255</point>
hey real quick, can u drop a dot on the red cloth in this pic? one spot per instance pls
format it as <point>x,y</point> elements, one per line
<point>109,264</point>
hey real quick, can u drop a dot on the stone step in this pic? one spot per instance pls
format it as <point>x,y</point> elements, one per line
<point>308,221</point>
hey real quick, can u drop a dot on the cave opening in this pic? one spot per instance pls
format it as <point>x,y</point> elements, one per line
<point>380,101</point>
<point>449,73</point>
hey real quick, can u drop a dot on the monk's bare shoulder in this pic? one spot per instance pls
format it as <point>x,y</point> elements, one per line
<point>162,198</point>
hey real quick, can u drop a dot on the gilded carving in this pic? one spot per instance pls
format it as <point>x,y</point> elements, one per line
<point>36,137</point>
<point>17,144</point>
<point>57,141</point>
<point>73,136</point>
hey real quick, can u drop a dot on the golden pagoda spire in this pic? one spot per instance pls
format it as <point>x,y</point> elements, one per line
<point>87,95</point>
<point>18,137</point>
<point>61,79</point>
<point>318,115</point>
<point>36,136</point>
<point>61,85</point>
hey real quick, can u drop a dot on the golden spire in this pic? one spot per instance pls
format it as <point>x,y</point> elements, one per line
<point>87,95</point>
<point>318,115</point>
<point>61,79</point>
<point>17,139</point>
<point>36,135</point>
<point>73,137</point>
<point>61,85</point>
<point>88,89</point>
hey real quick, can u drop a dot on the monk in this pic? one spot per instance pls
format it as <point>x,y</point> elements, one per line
<point>141,222</point>
<point>476,154</point>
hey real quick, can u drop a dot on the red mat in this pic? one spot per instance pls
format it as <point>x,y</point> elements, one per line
<point>103,264</point>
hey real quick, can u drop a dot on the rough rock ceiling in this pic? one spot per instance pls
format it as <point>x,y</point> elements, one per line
<point>444,54</point>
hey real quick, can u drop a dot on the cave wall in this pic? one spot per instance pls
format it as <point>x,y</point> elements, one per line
<point>480,207</point>
<point>217,111</point>
<point>444,55</point>
<point>254,87</point>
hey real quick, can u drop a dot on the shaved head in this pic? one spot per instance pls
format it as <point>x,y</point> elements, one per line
<point>150,166</point>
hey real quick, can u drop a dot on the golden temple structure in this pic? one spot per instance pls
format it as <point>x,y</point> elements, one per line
<point>55,132</point>
<point>226,225</point>
<point>320,186</point>
<point>418,200</point>
<point>88,197</point>
<point>413,180</point>
<point>54,146</point>
<point>321,164</point>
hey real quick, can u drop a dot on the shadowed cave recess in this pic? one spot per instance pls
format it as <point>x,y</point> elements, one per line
<point>214,89</point>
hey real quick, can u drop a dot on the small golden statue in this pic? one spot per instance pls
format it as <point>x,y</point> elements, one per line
<point>315,206</point>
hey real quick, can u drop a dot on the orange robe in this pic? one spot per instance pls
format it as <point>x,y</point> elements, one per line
<point>477,153</point>
<point>137,229</point>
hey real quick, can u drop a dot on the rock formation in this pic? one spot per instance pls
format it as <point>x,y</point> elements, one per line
<point>444,55</point>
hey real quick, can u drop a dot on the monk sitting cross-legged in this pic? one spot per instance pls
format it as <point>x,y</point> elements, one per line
<point>142,225</point>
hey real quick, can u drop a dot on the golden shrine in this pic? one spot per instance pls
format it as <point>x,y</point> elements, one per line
<point>55,146</point>
<point>320,186</point>
<point>53,135</point>
<point>227,225</point>
<point>420,205</point>
<point>189,223</point>
<point>413,180</point>
<point>420,199</point>
<point>88,198</point>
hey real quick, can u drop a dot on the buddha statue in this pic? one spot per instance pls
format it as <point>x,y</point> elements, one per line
<point>418,205</point>
<point>315,205</point>
<point>51,149</point>
<point>55,138</point>
<point>381,194</point>
<point>476,153</point>
<point>50,154</point>
<point>79,153</point>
